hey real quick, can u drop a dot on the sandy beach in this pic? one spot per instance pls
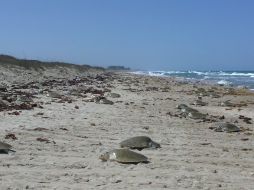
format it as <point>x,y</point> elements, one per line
<point>59,139</point>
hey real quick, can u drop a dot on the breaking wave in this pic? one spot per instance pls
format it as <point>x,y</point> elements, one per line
<point>235,78</point>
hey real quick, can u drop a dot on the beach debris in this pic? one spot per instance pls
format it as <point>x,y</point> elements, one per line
<point>3,105</point>
<point>205,144</point>
<point>24,99</point>
<point>16,100</point>
<point>64,129</point>
<point>40,129</point>
<point>245,119</point>
<point>40,139</point>
<point>88,89</point>
<point>5,148</point>
<point>11,136</point>
<point>54,94</point>
<point>125,156</point>
<point>39,113</point>
<point>3,88</point>
<point>246,149</point>
<point>139,143</point>
<point>226,127</point>
<point>14,113</point>
<point>152,88</point>
<point>174,115</point>
<point>221,117</point>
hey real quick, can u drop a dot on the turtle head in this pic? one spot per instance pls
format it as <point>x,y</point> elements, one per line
<point>155,145</point>
<point>104,157</point>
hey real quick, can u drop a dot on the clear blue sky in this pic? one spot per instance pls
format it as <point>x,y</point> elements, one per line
<point>141,34</point>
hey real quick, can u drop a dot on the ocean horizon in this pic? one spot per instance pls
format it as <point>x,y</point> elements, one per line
<point>226,78</point>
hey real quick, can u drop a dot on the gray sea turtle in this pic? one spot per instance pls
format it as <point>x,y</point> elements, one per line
<point>24,99</point>
<point>3,104</point>
<point>196,115</point>
<point>5,148</point>
<point>54,94</point>
<point>226,127</point>
<point>199,103</point>
<point>124,156</point>
<point>226,103</point>
<point>114,95</point>
<point>106,101</point>
<point>139,143</point>
<point>214,95</point>
<point>188,110</point>
<point>181,106</point>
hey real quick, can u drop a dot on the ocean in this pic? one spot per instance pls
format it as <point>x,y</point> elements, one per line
<point>227,78</point>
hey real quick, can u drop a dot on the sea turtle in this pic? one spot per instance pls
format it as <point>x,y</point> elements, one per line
<point>125,156</point>
<point>3,88</point>
<point>24,99</point>
<point>214,95</point>
<point>226,103</point>
<point>114,95</point>
<point>188,110</point>
<point>106,101</point>
<point>196,115</point>
<point>181,106</point>
<point>3,104</point>
<point>54,94</point>
<point>226,127</point>
<point>139,143</point>
<point>5,148</point>
<point>199,103</point>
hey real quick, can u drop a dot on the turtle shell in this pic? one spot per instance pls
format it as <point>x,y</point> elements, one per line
<point>226,127</point>
<point>226,104</point>
<point>4,147</point>
<point>114,95</point>
<point>106,101</point>
<point>197,115</point>
<point>199,103</point>
<point>181,106</point>
<point>139,142</point>
<point>188,110</point>
<point>123,156</point>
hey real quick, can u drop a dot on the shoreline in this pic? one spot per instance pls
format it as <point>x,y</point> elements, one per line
<point>205,80</point>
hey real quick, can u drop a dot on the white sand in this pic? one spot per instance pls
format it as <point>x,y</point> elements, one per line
<point>192,155</point>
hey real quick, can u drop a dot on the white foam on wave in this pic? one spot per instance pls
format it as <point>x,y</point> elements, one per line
<point>156,73</point>
<point>198,72</point>
<point>175,72</point>
<point>237,74</point>
<point>223,82</point>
